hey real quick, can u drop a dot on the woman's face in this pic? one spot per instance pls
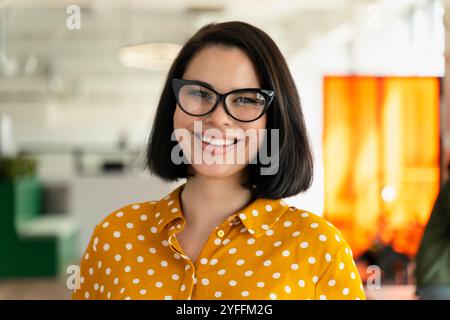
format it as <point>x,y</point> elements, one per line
<point>224,69</point>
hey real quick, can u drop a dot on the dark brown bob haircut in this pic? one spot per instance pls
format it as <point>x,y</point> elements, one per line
<point>295,167</point>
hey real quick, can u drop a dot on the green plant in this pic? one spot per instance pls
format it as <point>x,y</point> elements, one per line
<point>17,167</point>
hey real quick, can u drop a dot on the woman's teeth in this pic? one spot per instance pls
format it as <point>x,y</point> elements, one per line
<point>217,142</point>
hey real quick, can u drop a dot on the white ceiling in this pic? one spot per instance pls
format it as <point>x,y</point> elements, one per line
<point>74,63</point>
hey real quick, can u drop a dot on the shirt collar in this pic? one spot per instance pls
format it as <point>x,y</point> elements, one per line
<point>257,217</point>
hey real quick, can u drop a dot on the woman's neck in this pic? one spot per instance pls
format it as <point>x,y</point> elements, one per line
<point>206,201</point>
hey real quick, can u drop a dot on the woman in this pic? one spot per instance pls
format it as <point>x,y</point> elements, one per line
<point>226,233</point>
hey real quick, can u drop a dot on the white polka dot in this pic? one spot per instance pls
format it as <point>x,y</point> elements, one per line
<point>245,293</point>
<point>345,291</point>
<point>251,231</point>
<point>217,241</point>
<point>323,238</point>
<point>116,281</point>
<point>277,243</point>
<point>130,225</point>
<point>105,224</point>
<point>240,262</point>
<point>183,287</point>
<point>140,259</point>
<point>116,234</point>
<point>269,232</point>
<point>175,276</point>
<point>150,272</point>
<point>143,217</point>
<point>165,243</point>
<point>255,212</point>
<point>118,257</point>
<point>268,208</point>
<point>164,263</point>
<point>153,230</point>
<point>312,260</point>
<point>127,269</point>
<point>301,283</point>
<point>135,207</point>
<point>287,289</point>
<point>267,263</point>
<point>96,286</point>
<point>232,251</point>
<point>99,264</point>
<point>273,296</point>
<point>296,233</point>
<point>232,283</point>
<point>338,239</point>
<point>260,284</point>
<point>106,247</point>
<point>225,242</point>
<point>91,271</point>
<point>152,250</point>
<point>143,292</point>
<point>248,273</point>
<point>136,281</point>
<point>287,224</point>
<point>86,295</point>
<point>265,226</point>
<point>315,279</point>
<point>285,253</point>
<point>332,282</point>
<point>294,266</point>
<point>242,216</point>
<point>141,237</point>
<point>205,281</point>
<point>352,275</point>
<point>259,253</point>
<point>341,266</point>
<point>304,244</point>
<point>167,297</point>
<point>217,294</point>
<point>204,261</point>
<point>129,246</point>
<point>221,272</point>
<point>305,215</point>
<point>276,275</point>
<point>174,210</point>
<point>328,257</point>
<point>251,241</point>
<point>119,214</point>
<point>314,225</point>
<point>323,297</point>
<point>159,284</point>
<point>213,261</point>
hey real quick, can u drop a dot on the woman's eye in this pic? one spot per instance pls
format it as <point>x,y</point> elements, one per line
<point>199,93</point>
<point>245,100</point>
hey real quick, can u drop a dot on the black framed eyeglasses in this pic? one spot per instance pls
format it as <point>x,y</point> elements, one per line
<point>197,99</point>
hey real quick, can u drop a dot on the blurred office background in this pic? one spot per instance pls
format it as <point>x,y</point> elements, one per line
<point>77,99</point>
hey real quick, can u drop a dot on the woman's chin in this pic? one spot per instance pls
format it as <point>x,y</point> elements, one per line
<point>217,170</point>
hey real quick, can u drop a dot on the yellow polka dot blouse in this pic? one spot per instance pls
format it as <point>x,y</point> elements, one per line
<point>268,250</point>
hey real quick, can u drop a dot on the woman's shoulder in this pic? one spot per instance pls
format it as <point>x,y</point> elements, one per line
<point>312,228</point>
<point>129,217</point>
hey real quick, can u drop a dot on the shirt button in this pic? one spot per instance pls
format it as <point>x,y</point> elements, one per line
<point>220,233</point>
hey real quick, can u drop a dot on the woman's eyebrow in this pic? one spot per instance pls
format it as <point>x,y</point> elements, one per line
<point>206,84</point>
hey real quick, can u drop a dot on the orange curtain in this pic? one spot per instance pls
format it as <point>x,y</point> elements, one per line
<point>381,158</point>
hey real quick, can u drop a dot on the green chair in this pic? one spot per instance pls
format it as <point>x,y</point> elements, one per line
<point>33,244</point>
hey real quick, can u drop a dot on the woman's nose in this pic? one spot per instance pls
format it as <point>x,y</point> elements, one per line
<point>219,116</point>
